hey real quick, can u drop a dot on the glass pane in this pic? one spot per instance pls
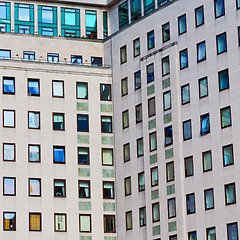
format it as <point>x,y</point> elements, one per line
<point>230,194</point>
<point>33,87</point>
<point>82,123</point>
<point>226,117</point>
<point>139,113</point>
<point>170,171</point>
<point>154,174</point>
<point>187,130</point>
<point>106,124</point>
<point>141,181</point>
<point>9,152</point>
<point>123,15</point>
<point>70,17</point>
<point>124,86</point>
<point>59,188</point>
<point>151,41</point>
<point>153,141</point>
<point>126,152</point>
<point>105,92</point>
<point>171,208</point>
<point>34,187</point>
<point>188,166</point>
<point>34,153</point>
<point>108,190</point>
<point>23,12</point>
<point>228,155</point>
<point>47,14</point>
<point>183,59</point>
<point>59,154</point>
<point>9,221</point>
<point>84,189</point>
<point>60,222</point>
<point>209,204</point>
<point>205,124</point>
<point>221,43</point>
<point>232,230</point>
<point>167,100</point>
<point>140,150</point>
<point>3,10</point>
<point>207,161</point>
<point>168,136</point>
<point>199,16</point>
<point>190,204</point>
<point>34,119</point>
<point>85,223</point>
<point>219,8</point>
<point>156,212</point>
<point>185,94</point>
<point>58,121</point>
<point>201,54</point>
<point>5,54</point>
<point>137,80</point>
<point>223,80</point>
<point>8,85</point>
<point>9,186</point>
<point>182,26</point>
<point>127,186</point>
<point>203,87</point>
<point>165,66</point>
<point>136,45</point>
<point>83,155</point>
<point>76,59</point>
<point>211,234</point>
<point>107,156</point>
<point>123,54</point>
<point>166,32</point>
<point>128,220</point>
<point>9,118</point>
<point>151,107</point>
<point>150,73</point>
<point>57,89</point>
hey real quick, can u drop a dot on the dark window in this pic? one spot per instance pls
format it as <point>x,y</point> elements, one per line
<point>142,217</point>
<point>9,220</point>
<point>126,152</point>
<point>190,200</point>
<point>209,199</point>
<point>83,156</point>
<point>125,119</point>
<point>230,194</point>
<point>226,117</point>
<point>185,94</point>
<point>153,141</point>
<point>165,66</point>
<point>207,161</point>
<point>29,55</point>
<point>108,190</point>
<point>136,47</point>
<point>155,212</point>
<point>227,152</point>
<point>170,171</point>
<point>84,189</point>
<point>211,233</point>
<point>192,235</point>
<point>149,6</point>
<point>232,231</point>
<point>223,79</point>
<point>173,237</point>
<point>201,51</point>
<point>154,176</point>
<point>171,208</point>
<point>138,110</point>
<point>53,57</point>
<point>203,87</point>
<point>140,147</point>
<point>205,124</point>
<point>123,54</point>
<point>96,61</point>
<point>34,87</point>
<point>150,40</point>
<point>187,130</point>
<point>59,188</point>
<point>82,123</point>
<point>151,107</point>
<point>219,8</point>
<point>168,136</point>
<point>150,73</point>
<point>9,85</point>
<point>199,16</point>
<point>76,59</point>
<point>58,121</point>
<point>166,32</point>
<point>183,55</point>
<point>124,86</point>
<point>105,92</point>
<point>128,217</point>
<point>141,182</point>
<point>135,9</point>
<point>137,80</point>
<point>106,124</point>
<point>109,224</point>
<point>58,154</point>
<point>189,166</point>
<point>221,43</point>
<point>182,24</point>
<point>123,15</point>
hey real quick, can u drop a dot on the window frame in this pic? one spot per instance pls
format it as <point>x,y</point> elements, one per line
<point>145,216</point>
<point>35,213</point>
<point>182,16</point>
<point>78,115</point>
<point>88,215</point>
<point>162,61</point>
<point>108,100</point>
<point>164,101</point>
<point>127,228</point>
<point>58,214</point>
<point>123,117</point>
<point>35,112</point>
<point>135,74</point>
<point>60,81</point>
<point>203,116</point>
<point>148,46</point>
<point>138,140</point>
<point>33,94</point>
<point>114,217</point>
<point>153,184</point>
<point>180,62</point>
<point>78,155</point>
<point>14,85</point>
<point>194,211</point>
<point>12,144</point>
<point>182,87</point>
<point>89,184</point>
<point>234,223</point>
<point>124,156</point>
<point>34,145</point>
<point>87,90</point>
<point>219,73</point>
<point>150,146</point>
<point>175,210</point>
<point>65,188</point>
<point>124,80</point>
<point>221,117</point>
<point>155,204</point>
<point>139,174</point>
<point>125,181</point>
<point>208,229</point>
<point>15,185</point>
<point>14,120</point>
<point>137,108</point>
<point>64,150</point>
<point>154,106</point>
<point>58,113</point>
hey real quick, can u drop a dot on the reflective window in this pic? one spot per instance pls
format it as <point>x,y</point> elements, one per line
<point>58,88</point>
<point>5,54</point>
<point>171,208</point>
<point>123,15</point>
<point>165,66</point>
<point>155,212</point>
<point>136,47</point>
<point>149,6</point>
<point>125,119</point>
<point>201,51</point>
<point>59,188</point>
<point>82,123</point>
<point>153,141</point>
<point>34,153</point>
<point>211,233</point>
<point>9,221</point>
<point>154,176</point>
<point>106,124</point>
<point>129,223</point>
<point>9,85</point>
<point>29,55</point>
<point>135,9</point>
<point>226,117</point>
<point>53,57</point>
<point>150,73</point>
<point>141,182</point>
<point>127,186</point>
<point>167,101</point>
<point>183,59</point>
<point>168,136</point>
<point>207,161</point>
<point>137,80</point>
<point>124,86</point>
<point>109,224</point>
<point>126,152</point>
<point>9,118</point>
<point>199,16</point>
<point>84,189</point>
<point>140,147</point>
<point>85,223</point>
<point>108,190</point>
<point>96,61</point>
<point>5,17</point>
<point>91,24</point>
<point>34,120</point>
<point>219,8</point>
<point>142,217</point>
<point>205,124</point>
<point>230,194</point>
<point>138,111</point>
<point>187,130</point>
<point>223,80</point>
<point>227,155</point>
<point>209,199</point>
<point>182,24</point>
<point>82,90</point>
<point>107,156</point>
<point>76,59</point>
<point>190,200</point>
<point>166,32</point>
<point>151,107</point>
<point>34,187</point>
<point>221,43</point>
<point>123,54</point>
<point>192,235</point>
<point>170,171</point>
<point>189,166</point>
<point>83,156</point>
<point>9,152</point>
<point>232,231</point>
<point>105,24</point>
<point>33,87</point>
<point>9,186</point>
<point>58,154</point>
<point>150,40</point>
<point>203,87</point>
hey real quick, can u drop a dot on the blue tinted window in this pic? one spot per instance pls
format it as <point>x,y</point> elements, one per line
<point>168,136</point>
<point>221,43</point>
<point>59,154</point>
<point>83,155</point>
<point>150,73</point>
<point>5,54</point>
<point>8,85</point>
<point>183,59</point>
<point>219,8</point>
<point>33,87</point>
<point>106,124</point>
<point>82,123</point>
<point>182,24</point>
<point>151,41</point>
<point>205,124</point>
<point>223,79</point>
<point>199,16</point>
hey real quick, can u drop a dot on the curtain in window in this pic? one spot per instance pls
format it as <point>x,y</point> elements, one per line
<point>108,190</point>
<point>84,189</point>
<point>34,154</point>
<point>107,156</point>
<point>34,187</point>
<point>85,223</point>
<point>203,85</point>
<point>60,222</point>
<point>35,222</point>
<point>167,100</point>
<point>59,188</point>
<point>9,221</point>
<point>9,152</point>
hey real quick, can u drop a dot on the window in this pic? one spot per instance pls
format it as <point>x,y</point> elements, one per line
<point>30,56</point>
<point>167,101</point>
<point>150,73</point>
<point>58,154</point>
<point>185,93</point>
<point>82,123</point>
<point>24,18</point>
<point>173,237</point>
<point>239,35</point>
<point>199,16</point>
<point>138,111</point>
<point>60,222</point>
<point>154,176</point>
<point>189,166</point>
<point>9,118</point>
<point>155,212</point>
<point>149,6</point>
<point>153,141</point>
<point>47,21</point>
<point>227,155</point>
<point>34,153</point>
<point>123,54</point>
<point>142,217</point>
<point>53,57</point>
<point>5,17</point>
<point>108,190</point>
<point>59,188</point>
<point>201,51</point>
<point>187,130</point>
<point>223,80</point>
<point>166,32</point>
<point>125,119</point>
<point>106,123</point>
<point>123,15</point>
<point>9,186</point>
<point>34,120</point>
<point>182,24</point>
<point>207,161</point>
<point>190,200</point>
<point>205,124</point>
<point>211,233</point>
<point>141,182</point>
<point>9,218</point>
<point>126,152</point>
<point>35,222</point>
<point>58,89</point>
<point>226,117</point>
<point>209,199</point>
<point>135,10</point>
<point>9,152</point>
<point>129,223</point>
<point>5,54</point>
<point>151,107</point>
<point>136,47</point>
<point>183,59</point>
<point>137,80</point>
<point>58,121</point>
<point>109,224</point>
<point>219,8</point>
<point>105,24</point>
<point>83,156</point>
<point>171,208</point>
<point>96,61</point>
<point>203,87</point>
<point>8,84</point>
<point>107,157</point>
<point>230,194</point>
<point>34,187</point>
<point>76,59</point>
<point>91,24</point>
<point>84,189</point>
<point>170,171</point>
<point>85,224</point>
<point>232,231</point>
<point>140,147</point>
<point>192,235</point>
<point>150,40</point>
<point>127,186</point>
<point>105,92</point>
<point>165,66</point>
<point>168,136</point>
<point>70,22</point>
<point>33,87</point>
<point>238,4</point>
<point>221,43</point>
<point>124,86</point>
